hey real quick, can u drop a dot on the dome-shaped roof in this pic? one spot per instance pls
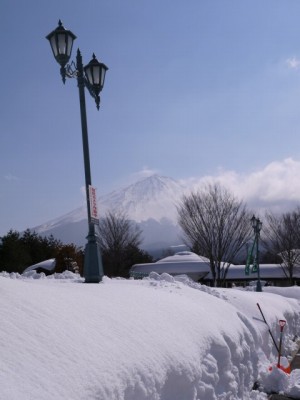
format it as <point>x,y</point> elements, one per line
<point>184,256</point>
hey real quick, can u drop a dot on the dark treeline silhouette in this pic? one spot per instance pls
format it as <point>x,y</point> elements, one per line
<point>119,242</point>
<point>20,250</point>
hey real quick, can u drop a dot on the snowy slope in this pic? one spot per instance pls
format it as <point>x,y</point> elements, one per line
<point>155,339</point>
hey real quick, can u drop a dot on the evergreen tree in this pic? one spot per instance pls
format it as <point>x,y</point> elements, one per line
<point>18,252</point>
<point>13,253</point>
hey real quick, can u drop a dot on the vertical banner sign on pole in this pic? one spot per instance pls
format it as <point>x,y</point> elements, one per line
<point>93,205</point>
<point>282,323</point>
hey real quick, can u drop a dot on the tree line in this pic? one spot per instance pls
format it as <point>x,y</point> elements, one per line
<point>215,224</point>
<point>119,241</point>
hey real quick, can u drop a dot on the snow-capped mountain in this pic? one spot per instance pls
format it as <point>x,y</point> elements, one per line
<point>151,202</point>
<point>153,197</point>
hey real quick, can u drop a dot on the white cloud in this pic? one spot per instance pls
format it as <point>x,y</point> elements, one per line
<point>83,191</point>
<point>293,63</point>
<point>10,177</point>
<point>144,173</point>
<point>277,185</point>
<point>274,187</point>
<point>135,176</point>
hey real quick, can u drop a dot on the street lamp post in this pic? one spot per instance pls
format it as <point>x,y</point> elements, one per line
<point>256,225</point>
<point>92,77</point>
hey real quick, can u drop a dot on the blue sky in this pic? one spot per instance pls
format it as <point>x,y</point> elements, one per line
<point>195,89</point>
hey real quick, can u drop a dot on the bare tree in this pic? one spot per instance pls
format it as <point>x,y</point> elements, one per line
<point>118,232</point>
<point>119,241</point>
<point>282,237</point>
<point>215,225</point>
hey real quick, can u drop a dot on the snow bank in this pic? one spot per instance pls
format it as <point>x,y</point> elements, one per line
<point>154,339</point>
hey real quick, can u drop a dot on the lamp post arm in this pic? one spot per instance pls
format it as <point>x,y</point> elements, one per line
<point>72,71</point>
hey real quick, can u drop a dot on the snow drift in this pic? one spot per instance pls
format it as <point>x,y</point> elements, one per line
<point>158,338</point>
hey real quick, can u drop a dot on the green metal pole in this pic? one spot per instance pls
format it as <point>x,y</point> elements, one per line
<point>93,269</point>
<point>258,284</point>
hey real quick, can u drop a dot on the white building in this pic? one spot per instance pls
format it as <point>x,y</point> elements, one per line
<point>198,269</point>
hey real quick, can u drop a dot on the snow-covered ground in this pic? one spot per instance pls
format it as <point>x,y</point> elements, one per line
<point>158,338</point>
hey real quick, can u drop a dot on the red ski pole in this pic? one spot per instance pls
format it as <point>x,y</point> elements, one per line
<point>282,323</point>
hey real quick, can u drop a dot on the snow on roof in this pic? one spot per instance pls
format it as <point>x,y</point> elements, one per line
<point>183,256</point>
<point>48,265</point>
<point>184,262</point>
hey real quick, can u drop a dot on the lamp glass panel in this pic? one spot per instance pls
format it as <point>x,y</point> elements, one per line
<point>96,75</point>
<point>70,45</point>
<point>103,76</point>
<point>259,224</point>
<point>62,48</point>
<point>53,45</point>
<point>89,75</point>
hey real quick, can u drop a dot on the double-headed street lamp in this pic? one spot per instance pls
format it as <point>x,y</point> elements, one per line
<point>92,77</point>
<point>256,225</point>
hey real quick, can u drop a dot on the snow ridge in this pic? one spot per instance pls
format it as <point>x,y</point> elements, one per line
<point>159,338</point>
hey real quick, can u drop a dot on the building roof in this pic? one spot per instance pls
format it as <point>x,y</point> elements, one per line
<point>184,262</point>
<point>267,271</point>
<point>197,267</point>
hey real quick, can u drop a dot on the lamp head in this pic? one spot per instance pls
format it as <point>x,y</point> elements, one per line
<point>253,221</point>
<point>61,42</point>
<point>259,224</point>
<point>95,74</point>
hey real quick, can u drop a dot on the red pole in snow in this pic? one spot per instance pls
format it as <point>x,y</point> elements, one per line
<point>282,323</point>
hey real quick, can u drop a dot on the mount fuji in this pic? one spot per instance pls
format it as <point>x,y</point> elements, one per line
<point>150,202</point>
